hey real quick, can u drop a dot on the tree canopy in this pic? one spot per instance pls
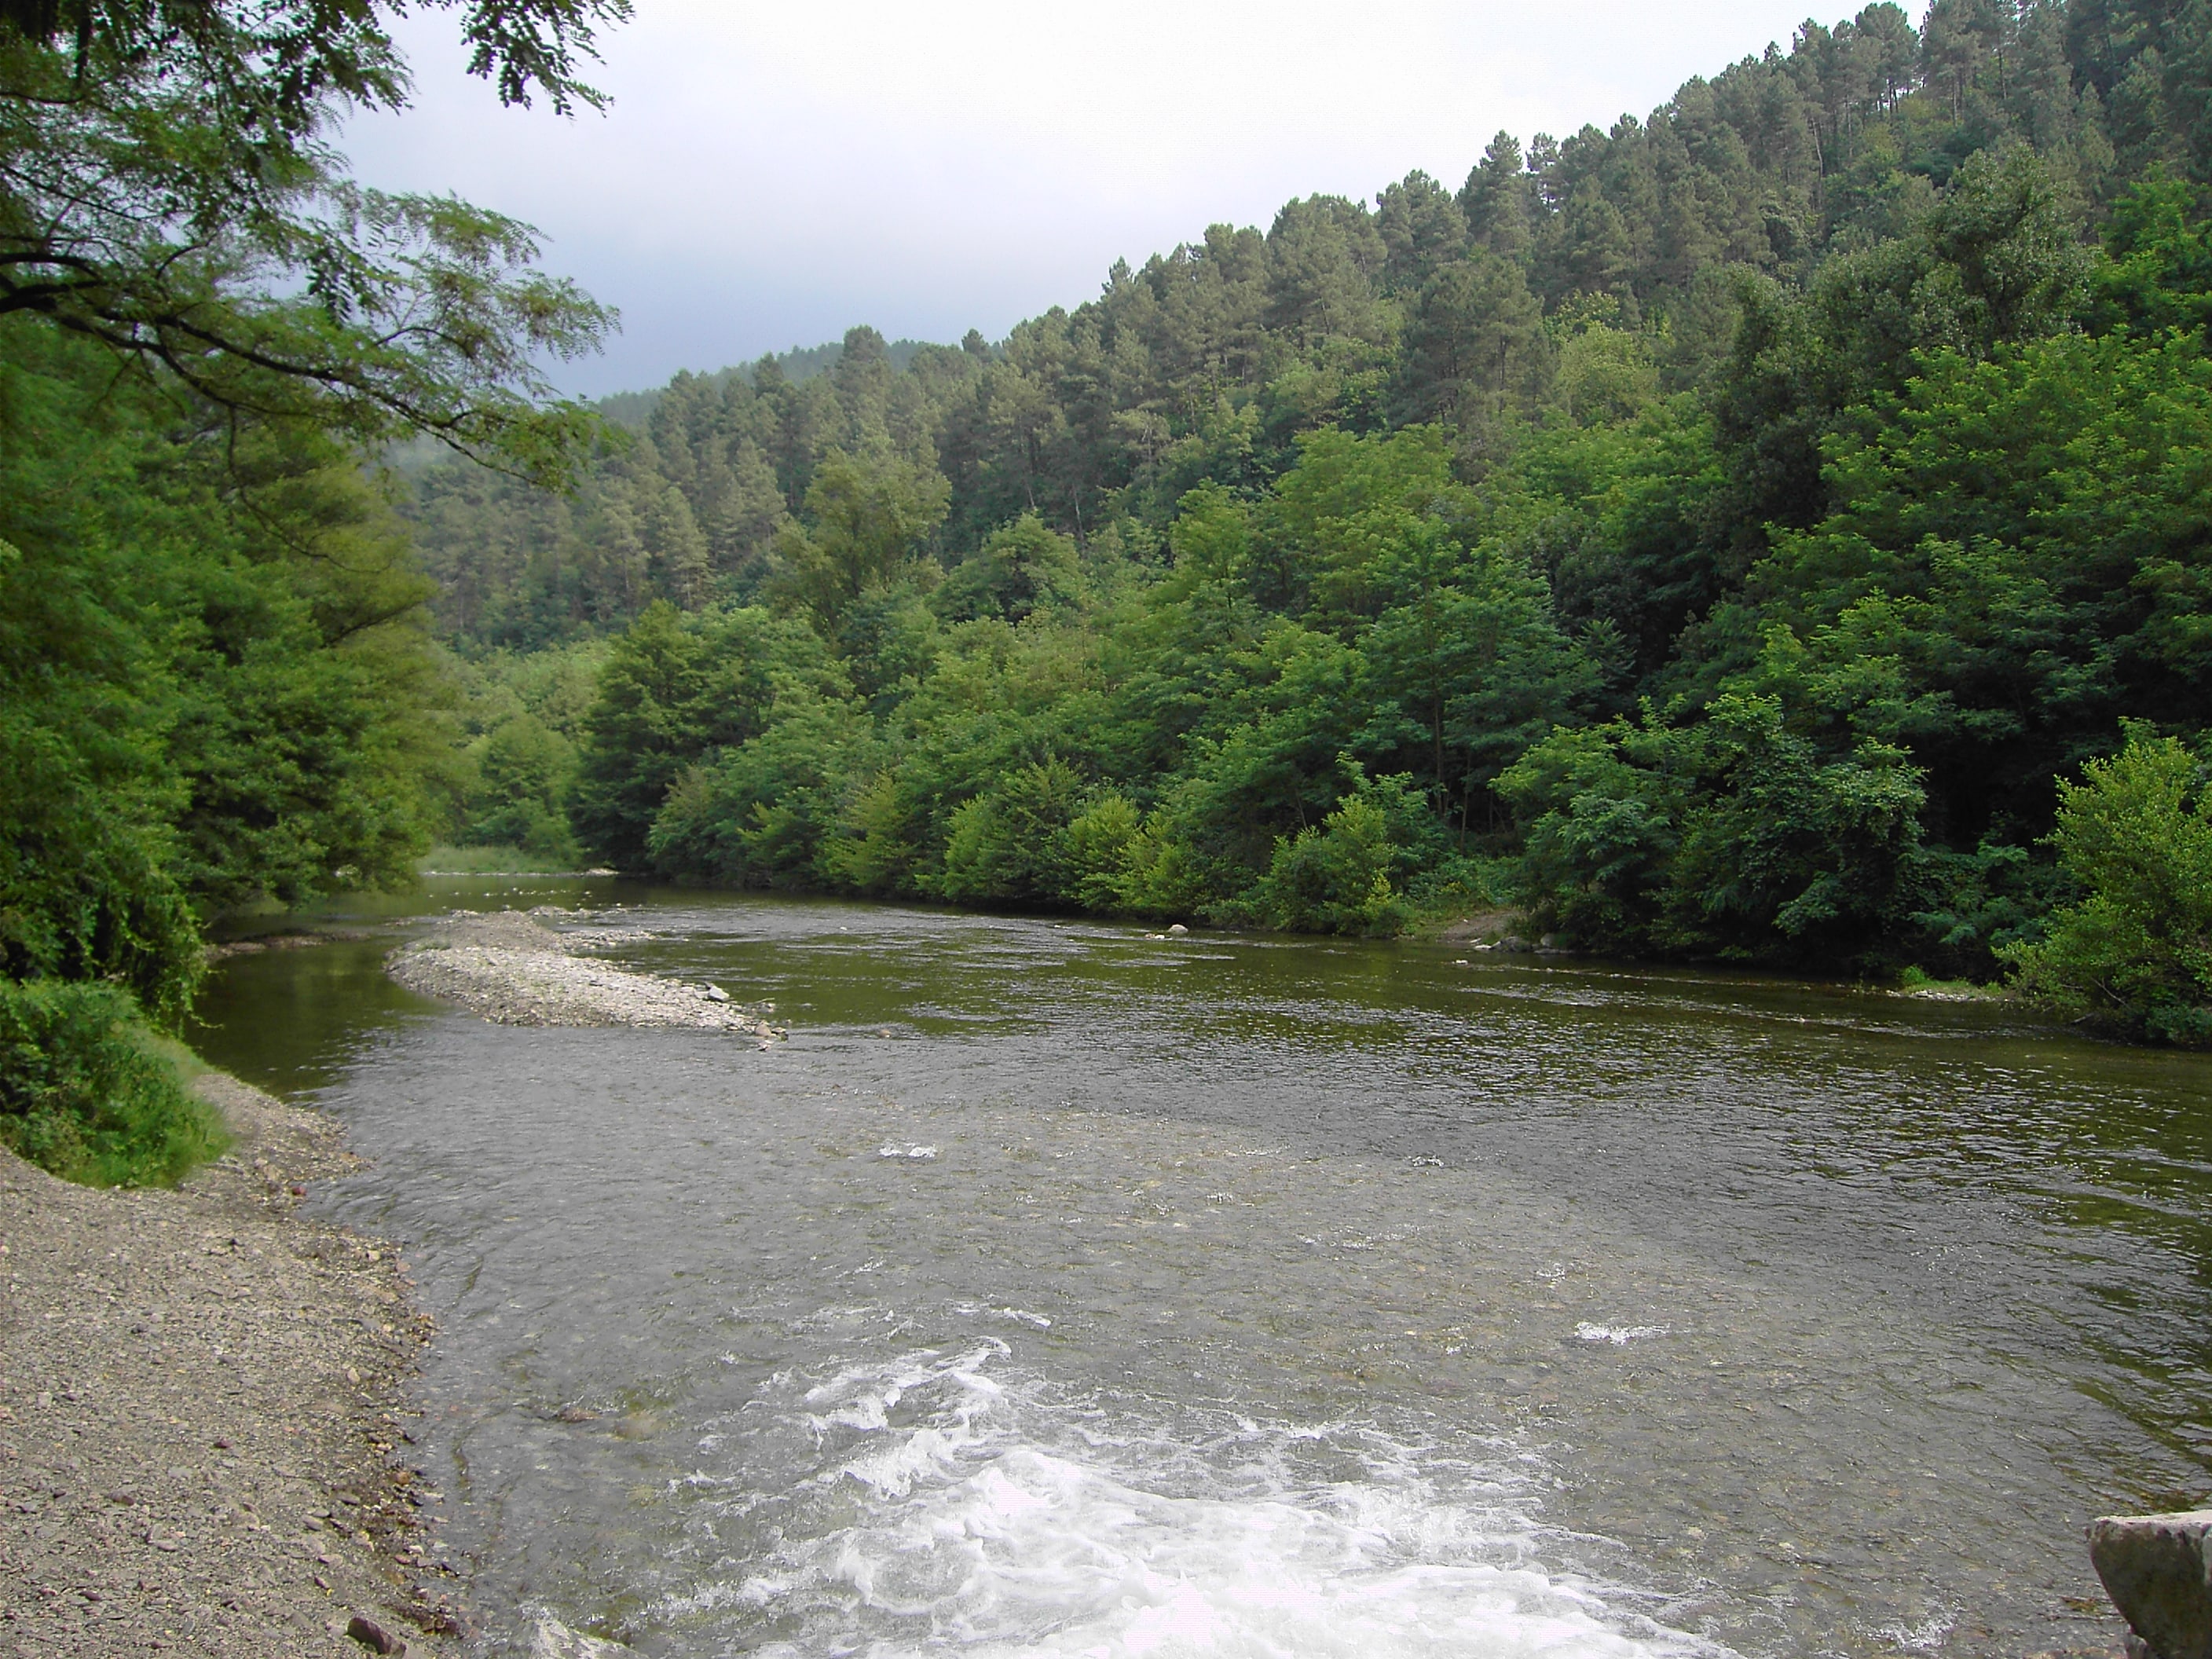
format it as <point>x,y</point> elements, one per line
<point>1717,536</point>
<point>167,191</point>
<point>217,685</point>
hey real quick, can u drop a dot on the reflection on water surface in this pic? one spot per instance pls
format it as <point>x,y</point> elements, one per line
<point>1268,1296</point>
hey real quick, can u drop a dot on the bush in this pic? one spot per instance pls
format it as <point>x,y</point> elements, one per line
<point>1335,879</point>
<point>85,1094</point>
<point>86,887</point>
<point>1124,862</point>
<point>1011,843</point>
<point>2136,955</point>
<point>1350,875</point>
<point>1735,838</point>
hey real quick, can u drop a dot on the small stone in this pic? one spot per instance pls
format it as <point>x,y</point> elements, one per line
<point>1177,930</point>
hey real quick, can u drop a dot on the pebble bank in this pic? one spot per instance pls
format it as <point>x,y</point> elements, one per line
<point>201,1446</point>
<point>513,971</point>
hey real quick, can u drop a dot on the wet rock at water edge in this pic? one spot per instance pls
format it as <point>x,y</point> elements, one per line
<point>1177,930</point>
<point>2155,1567</point>
<point>1516,945</point>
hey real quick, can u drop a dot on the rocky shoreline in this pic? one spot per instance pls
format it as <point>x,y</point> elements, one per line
<point>201,1440</point>
<point>512,969</point>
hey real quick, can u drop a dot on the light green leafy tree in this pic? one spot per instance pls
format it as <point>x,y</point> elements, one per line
<point>2135,956</point>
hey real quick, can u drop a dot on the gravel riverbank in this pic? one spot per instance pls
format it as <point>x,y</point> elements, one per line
<point>513,971</point>
<point>199,1427</point>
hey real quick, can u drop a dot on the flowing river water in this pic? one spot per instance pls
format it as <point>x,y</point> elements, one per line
<point>1057,1290</point>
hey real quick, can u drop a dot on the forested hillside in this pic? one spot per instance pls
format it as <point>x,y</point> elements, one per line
<point>1474,307</point>
<point>1720,535</point>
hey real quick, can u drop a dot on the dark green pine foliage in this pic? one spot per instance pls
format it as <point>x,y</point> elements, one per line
<point>1719,535</point>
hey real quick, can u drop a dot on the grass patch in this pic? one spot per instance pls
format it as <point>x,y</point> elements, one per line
<point>1459,890</point>
<point>489,861</point>
<point>90,1093</point>
<point>189,1066</point>
<point>1916,982</point>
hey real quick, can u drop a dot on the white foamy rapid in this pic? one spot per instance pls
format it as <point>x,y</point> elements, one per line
<point>1619,1336</point>
<point>949,1503</point>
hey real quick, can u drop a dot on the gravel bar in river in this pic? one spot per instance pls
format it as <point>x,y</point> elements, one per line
<point>198,1417</point>
<point>513,971</point>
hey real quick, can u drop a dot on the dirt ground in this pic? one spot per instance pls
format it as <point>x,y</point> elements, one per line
<point>201,1450</point>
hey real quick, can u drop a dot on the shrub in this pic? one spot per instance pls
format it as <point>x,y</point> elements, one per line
<point>1736,837</point>
<point>85,1094</point>
<point>1335,879</point>
<point>1011,842</point>
<point>2136,955</point>
<point>1124,862</point>
<point>1358,872</point>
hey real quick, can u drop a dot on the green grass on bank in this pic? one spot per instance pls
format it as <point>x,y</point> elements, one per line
<point>90,1093</point>
<point>1916,983</point>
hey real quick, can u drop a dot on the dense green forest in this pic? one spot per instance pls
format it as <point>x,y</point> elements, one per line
<point>1720,536</point>
<point>1775,531</point>
<point>218,685</point>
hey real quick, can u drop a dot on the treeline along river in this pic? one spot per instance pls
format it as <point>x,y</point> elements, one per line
<point>1056,1290</point>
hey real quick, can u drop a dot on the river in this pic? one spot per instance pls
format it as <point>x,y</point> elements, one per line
<point>1053,1290</point>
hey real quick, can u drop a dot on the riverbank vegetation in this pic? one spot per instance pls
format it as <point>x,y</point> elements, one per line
<point>87,1092</point>
<point>217,684</point>
<point>1721,536</point>
<point>1747,533</point>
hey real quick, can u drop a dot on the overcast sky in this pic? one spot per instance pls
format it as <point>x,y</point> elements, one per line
<point>768,176</point>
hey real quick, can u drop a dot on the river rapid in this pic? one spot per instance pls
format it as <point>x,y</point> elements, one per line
<point>1056,1291</point>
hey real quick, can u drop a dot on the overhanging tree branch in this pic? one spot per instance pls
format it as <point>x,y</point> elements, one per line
<point>166,190</point>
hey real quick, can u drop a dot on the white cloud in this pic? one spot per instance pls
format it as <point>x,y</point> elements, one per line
<point>769,174</point>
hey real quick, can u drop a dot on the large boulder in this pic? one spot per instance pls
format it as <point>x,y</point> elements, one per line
<point>2155,1569</point>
